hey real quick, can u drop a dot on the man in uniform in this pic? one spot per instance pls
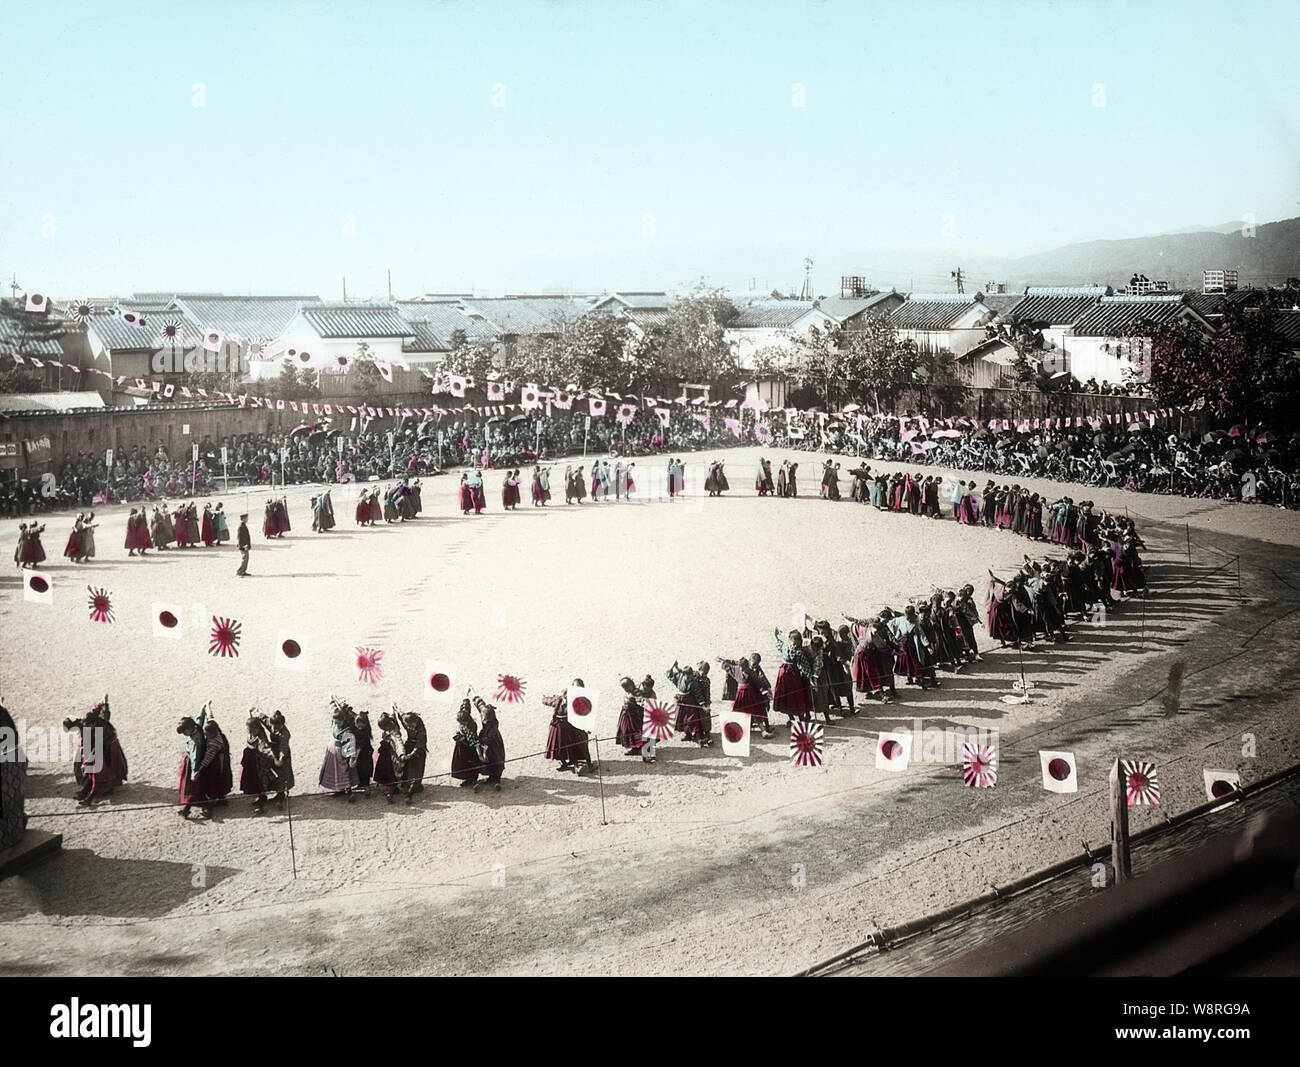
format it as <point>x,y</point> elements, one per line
<point>245,542</point>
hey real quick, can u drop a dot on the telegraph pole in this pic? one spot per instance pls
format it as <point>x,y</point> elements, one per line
<point>961,288</point>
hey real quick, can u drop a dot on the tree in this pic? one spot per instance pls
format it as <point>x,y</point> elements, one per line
<point>692,345</point>
<point>877,363</point>
<point>16,379</point>
<point>939,378</point>
<point>1241,372</point>
<point>470,361</point>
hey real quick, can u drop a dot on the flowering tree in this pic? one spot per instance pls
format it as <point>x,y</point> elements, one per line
<point>1241,372</point>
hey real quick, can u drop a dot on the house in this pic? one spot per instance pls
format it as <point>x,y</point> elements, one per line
<point>643,311</point>
<point>127,349</point>
<point>243,321</point>
<point>331,338</point>
<point>1053,311</point>
<point>771,324</point>
<point>851,312</point>
<point>763,324</point>
<point>35,338</point>
<point>1108,343</point>
<point>938,321</point>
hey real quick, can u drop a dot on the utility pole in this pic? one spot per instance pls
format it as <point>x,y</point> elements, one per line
<point>806,292</point>
<point>961,288</point>
<point>14,286</point>
<point>345,289</point>
<point>390,286</point>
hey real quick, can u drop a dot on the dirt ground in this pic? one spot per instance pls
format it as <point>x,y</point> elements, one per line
<point>700,863</point>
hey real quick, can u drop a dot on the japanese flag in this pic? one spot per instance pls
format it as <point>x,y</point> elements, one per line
<point>439,678</point>
<point>291,652</point>
<point>132,318</point>
<point>167,620</point>
<point>530,397</point>
<point>663,415</point>
<point>496,391</point>
<point>37,302</point>
<point>213,340</point>
<point>385,369</point>
<point>1219,785</point>
<point>582,707</point>
<point>735,733</point>
<point>38,588</point>
<point>1059,772</point>
<point>458,385</point>
<point>893,750</point>
<point>597,407</point>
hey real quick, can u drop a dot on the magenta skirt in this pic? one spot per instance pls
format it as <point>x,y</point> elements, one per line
<point>792,693</point>
<point>335,774</point>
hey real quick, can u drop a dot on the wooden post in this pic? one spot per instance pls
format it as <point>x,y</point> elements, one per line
<point>1189,544</point>
<point>1119,823</point>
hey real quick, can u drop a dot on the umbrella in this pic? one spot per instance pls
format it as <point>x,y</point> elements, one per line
<point>1060,374</point>
<point>301,428</point>
<point>1211,438</point>
<point>518,418</point>
<point>947,433</point>
<point>1135,427</point>
<point>851,407</point>
<point>980,433</point>
<point>1268,437</point>
<point>1236,431</point>
<point>927,445</point>
<point>1234,454</point>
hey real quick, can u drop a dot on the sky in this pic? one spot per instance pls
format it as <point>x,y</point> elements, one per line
<point>515,146</point>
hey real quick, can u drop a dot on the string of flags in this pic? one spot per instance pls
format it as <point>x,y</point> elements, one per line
<point>893,748</point>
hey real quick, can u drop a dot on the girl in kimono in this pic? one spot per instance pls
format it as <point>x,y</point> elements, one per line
<point>415,754</point>
<point>464,756</point>
<point>338,774</point>
<point>690,704</point>
<point>466,497</point>
<point>365,751</point>
<point>220,525</point>
<point>564,741</point>
<point>792,694</point>
<point>73,549</point>
<point>257,773</point>
<point>207,530</point>
<point>749,698</point>
<point>390,758</point>
<point>491,747</point>
<point>631,719</point>
<point>476,492</point>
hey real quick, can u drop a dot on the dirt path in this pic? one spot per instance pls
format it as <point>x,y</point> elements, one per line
<point>705,865</point>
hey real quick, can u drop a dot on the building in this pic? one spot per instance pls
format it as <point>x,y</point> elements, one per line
<point>938,321</point>
<point>1111,342</point>
<point>1053,311</point>
<point>333,339</point>
<point>772,325</point>
<point>852,311</point>
<point>242,321</point>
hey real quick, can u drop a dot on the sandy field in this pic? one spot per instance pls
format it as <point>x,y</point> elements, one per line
<point>700,863</point>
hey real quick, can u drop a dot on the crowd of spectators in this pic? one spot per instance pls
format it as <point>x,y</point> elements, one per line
<point>1229,464</point>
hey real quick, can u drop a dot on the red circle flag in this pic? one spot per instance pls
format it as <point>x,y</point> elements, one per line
<point>581,706</point>
<point>167,619</point>
<point>440,682</point>
<point>1059,769</point>
<point>890,748</point>
<point>291,648</point>
<point>38,584</point>
<point>733,732</point>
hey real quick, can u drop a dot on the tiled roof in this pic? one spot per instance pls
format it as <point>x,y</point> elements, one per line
<point>1122,316</point>
<point>425,340</point>
<point>637,301</point>
<point>841,308</point>
<point>527,314</point>
<point>1056,307</point>
<point>13,339</point>
<point>253,317</point>
<point>648,317</point>
<point>771,314</point>
<point>1287,324</point>
<point>117,336</point>
<point>356,320</point>
<point>931,311</point>
<point>442,320</point>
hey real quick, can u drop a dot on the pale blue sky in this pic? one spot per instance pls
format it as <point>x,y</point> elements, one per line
<point>383,111</point>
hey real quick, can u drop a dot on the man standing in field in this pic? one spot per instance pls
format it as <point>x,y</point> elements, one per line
<point>245,542</point>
